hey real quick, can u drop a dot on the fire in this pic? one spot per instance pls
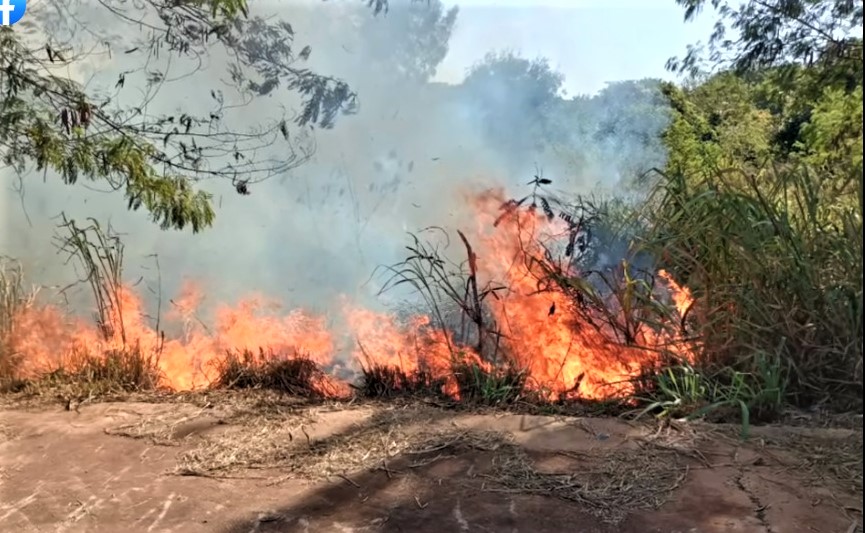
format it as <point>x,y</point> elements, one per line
<point>535,330</point>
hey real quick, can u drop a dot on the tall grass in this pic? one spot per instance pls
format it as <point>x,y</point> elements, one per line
<point>775,263</point>
<point>15,298</point>
<point>90,375</point>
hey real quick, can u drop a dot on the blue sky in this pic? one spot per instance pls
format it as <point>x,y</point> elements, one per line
<point>591,42</point>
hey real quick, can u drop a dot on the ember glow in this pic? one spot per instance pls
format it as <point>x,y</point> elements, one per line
<point>537,331</point>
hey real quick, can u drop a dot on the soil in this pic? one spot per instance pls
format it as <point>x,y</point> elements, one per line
<point>208,467</point>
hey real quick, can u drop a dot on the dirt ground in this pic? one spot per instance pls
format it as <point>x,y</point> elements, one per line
<point>258,465</point>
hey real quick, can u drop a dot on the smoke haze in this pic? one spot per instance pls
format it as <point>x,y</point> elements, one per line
<point>400,163</point>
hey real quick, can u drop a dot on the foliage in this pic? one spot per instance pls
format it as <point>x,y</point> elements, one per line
<point>759,207</point>
<point>51,121</point>
<point>422,28</point>
<point>770,276</point>
<point>683,391</point>
<point>610,137</point>
<point>769,33</point>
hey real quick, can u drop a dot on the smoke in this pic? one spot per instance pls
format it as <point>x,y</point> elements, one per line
<point>400,163</point>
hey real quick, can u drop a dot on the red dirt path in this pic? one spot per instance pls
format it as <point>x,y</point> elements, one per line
<point>62,471</point>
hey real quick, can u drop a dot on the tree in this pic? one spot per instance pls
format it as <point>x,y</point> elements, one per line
<point>781,32</point>
<point>514,97</point>
<point>51,122</point>
<point>414,41</point>
<point>717,125</point>
<point>631,118</point>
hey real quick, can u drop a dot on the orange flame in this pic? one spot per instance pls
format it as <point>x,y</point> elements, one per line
<point>538,330</point>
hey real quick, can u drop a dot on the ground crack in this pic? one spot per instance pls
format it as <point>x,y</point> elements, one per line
<point>759,508</point>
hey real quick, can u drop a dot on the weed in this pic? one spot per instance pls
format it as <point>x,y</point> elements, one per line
<point>100,255</point>
<point>682,391</point>
<point>444,285</point>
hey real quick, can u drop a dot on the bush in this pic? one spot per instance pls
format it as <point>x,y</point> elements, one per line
<point>776,268</point>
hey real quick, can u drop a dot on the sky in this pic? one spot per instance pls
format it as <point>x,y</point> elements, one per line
<point>591,42</point>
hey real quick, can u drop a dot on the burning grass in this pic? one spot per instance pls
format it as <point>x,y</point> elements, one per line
<point>513,341</point>
<point>387,381</point>
<point>492,386</point>
<point>533,314</point>
<point>476,384</point>
<point>83,376</point>
<point>295,374</point>
<point>15,299</point>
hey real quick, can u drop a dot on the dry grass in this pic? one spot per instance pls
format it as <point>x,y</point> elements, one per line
<point>396,441</point>
<point>832,461</point>
<point>15,298</point>
<point>285,443</point>
<point>158,429</point>
<point>610,485</point>
<point>386,381</point>
<point>116,375</point>
<point>112,374</point>
<point>295,374</point>
<point>236,410</point>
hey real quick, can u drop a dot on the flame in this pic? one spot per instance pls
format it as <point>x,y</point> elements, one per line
<point>536,330</point>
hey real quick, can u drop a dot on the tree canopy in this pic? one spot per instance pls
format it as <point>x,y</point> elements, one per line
<point>51,121</point>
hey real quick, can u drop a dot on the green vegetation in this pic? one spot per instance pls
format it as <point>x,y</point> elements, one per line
<point>759,210</point>
<point>294,374</point>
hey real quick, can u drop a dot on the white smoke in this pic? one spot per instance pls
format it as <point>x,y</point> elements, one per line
<point>318,231</point>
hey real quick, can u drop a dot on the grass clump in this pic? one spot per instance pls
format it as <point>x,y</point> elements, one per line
<point>683,391</point>
<point>475,384</point>
<point>389,381</point>
<point>83,375</point>
<point>296,375</point>
<point>494,386</point>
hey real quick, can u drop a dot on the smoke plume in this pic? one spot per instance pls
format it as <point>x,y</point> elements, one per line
<point>401,162</point>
